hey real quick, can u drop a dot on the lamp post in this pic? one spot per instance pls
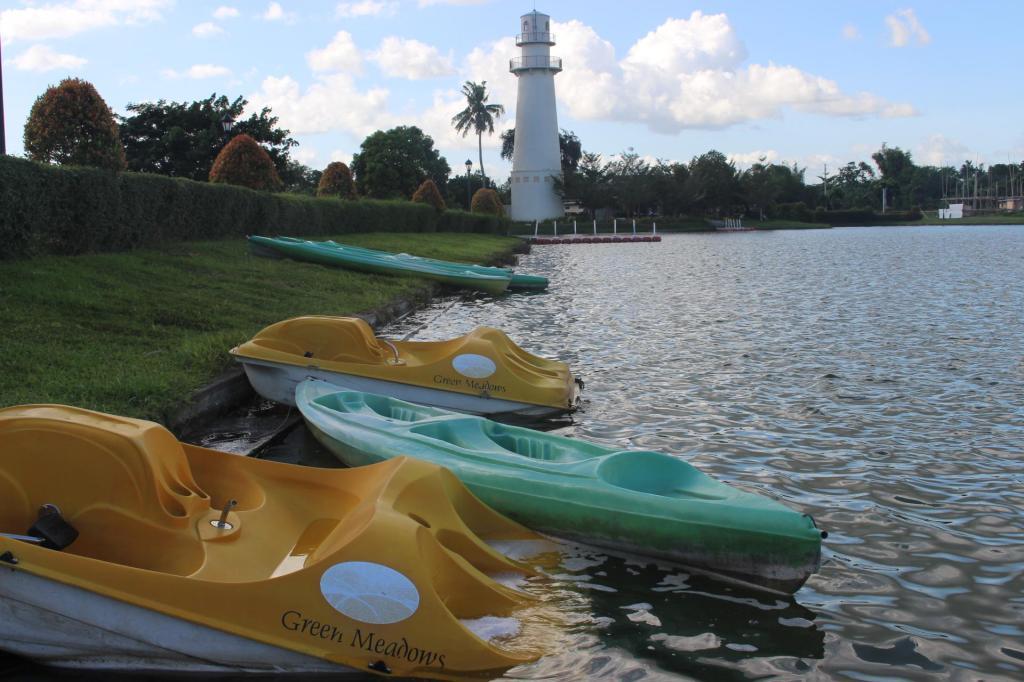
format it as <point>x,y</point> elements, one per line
<point>226,124</point>
<point>469,168</point>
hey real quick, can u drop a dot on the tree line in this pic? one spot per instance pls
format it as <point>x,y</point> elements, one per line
<point>711,185</point>
<point>71,124</point>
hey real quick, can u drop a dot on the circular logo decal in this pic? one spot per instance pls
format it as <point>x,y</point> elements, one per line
<point>368,592</point>
<point>474,366</point>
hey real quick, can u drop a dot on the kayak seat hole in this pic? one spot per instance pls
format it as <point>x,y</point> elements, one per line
<point>654,473</point>
<point>462,433</point>
<point>348,401</point>
<point>535,446</point>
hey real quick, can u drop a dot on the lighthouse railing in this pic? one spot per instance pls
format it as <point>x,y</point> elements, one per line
<point>535,62</point>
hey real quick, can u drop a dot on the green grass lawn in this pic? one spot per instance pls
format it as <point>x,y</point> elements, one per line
<point>136,333</point>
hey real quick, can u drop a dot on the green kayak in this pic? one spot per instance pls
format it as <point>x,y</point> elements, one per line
<point>519,281</point>
<point>351,259</point>
<point>635,501</point>
<point>279,245</point>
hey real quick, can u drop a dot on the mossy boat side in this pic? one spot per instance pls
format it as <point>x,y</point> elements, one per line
<point>364,260</point>
<point>380,569</point>
<point>483,372</point>
<point>643,502</point>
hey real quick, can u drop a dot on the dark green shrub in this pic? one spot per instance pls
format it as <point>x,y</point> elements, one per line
<point>797,211</point>
<point>245,163</point>
<point>336,181</point>
<point>50,209</point>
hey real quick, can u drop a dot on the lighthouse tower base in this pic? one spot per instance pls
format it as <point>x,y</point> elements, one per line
<point>534,196</point>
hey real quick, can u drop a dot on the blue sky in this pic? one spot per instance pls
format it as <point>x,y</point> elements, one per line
<point>810,82</point>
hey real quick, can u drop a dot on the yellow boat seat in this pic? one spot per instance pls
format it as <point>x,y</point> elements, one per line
<point>351,339</point>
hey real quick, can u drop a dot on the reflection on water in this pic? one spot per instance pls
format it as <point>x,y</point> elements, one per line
<point>871,377</point>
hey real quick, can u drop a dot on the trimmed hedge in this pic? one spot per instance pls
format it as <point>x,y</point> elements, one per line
<point>71,210</point>
<point>864,216</point>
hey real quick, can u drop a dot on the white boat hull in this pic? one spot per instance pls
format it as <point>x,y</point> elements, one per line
<point>65,626</point>
<point>277,382</point>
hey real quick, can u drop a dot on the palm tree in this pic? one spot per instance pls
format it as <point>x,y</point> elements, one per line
<point>478,116</point>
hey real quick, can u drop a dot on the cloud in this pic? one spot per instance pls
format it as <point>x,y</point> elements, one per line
<point>343,156</point>
<point>366,8</point>
<point>207,29</point>
<point>704,41</point>
<point>905,28</point>
<point>332,103</point>
<point>407,58</point>
<point>275,12</point>
<point>436,121</point>
<point>748,159</point>
<point>66,19</point>
<point>43,58</point>
<point>851,32</point>
<point>341,54</point>
<point>304,155</point>
<point>225,12</point>
<point>687,73</point>
<point>939,150</point>
<point>429,3</point>
<point>198,72</point>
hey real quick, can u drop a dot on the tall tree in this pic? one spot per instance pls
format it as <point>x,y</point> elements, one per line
<point>714,180</point>
<point>393,163</point>
<point>71,124</point>
<point>183,138</point>
<point>478,115</point>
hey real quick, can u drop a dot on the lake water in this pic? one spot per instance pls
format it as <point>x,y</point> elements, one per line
<point>872,377</point>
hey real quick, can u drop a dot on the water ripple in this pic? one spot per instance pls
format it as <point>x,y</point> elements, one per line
<point>872,377</point>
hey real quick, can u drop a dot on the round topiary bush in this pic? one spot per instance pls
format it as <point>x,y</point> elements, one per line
<point>243,162</point>
<point>427,193</point>
<point>486,201</point>
<point>336,181</point>
<point>71,124</point>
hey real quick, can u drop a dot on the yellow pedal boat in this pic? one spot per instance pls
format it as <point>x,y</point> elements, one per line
<point>144,553</point>
<point>483,372</point>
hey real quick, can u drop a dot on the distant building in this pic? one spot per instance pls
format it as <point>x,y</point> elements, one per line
<point>536,160</point>
<point>954,212</point>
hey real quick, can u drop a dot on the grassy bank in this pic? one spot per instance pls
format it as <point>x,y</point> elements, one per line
<point>786,225</point>
<point>136,333</point>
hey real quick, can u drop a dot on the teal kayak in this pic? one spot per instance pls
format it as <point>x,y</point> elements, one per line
<point>353,259</point>
<point>635,501</point>
<point>517,281</point>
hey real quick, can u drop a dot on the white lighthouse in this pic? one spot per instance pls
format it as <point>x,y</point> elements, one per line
<point>536,162</point>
